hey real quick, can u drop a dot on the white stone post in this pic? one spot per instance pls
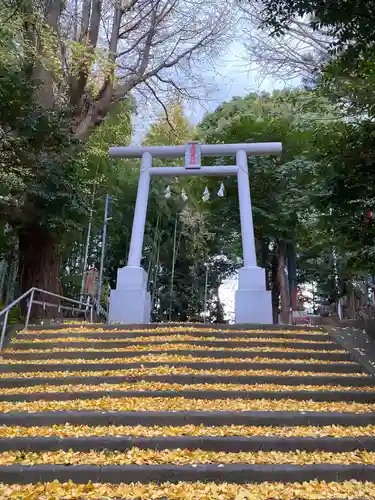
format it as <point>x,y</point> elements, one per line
<point>139,221</point>
<point>246,215</point>
<point>253,302</point>
<point>130,301</point>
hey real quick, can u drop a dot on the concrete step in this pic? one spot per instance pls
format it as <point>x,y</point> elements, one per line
<point>237,473</point>
<point>192,379</point>
<point>155,327</point>
<point>329,356</point>
<point>212,443</point>
<point>309,346</point>
<point>329,396</point>
<point>223,334</point>
<point>351,367</point>
<point>178,418</point>
<point>312,347</point>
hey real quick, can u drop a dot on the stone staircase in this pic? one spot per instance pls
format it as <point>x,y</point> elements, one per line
<point>184,413</point>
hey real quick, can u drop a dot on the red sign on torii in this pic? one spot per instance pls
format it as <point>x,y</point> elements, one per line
<point>193,155</point>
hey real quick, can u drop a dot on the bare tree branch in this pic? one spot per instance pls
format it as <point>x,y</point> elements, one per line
<point>170,63</point>
<point>132,24</point>
<point>145,54</point>
<point>100,107</point>
<point>161,104</point>
<point>297,54</point>
<point>158,46</point>
<point>138,40</point>
<point>178,89</point>
<point>86,11</point>
<point>95,22</point>
<point>115,32</point>
<point>91,15</point>
<point>44,75</point>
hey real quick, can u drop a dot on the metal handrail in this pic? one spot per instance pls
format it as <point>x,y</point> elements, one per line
<point>31,292</point>
<point>99,308</point>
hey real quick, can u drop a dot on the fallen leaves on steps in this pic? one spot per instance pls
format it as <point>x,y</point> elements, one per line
<point>165,329</point>
<point>169,347</point>
<point>311,490</point>
<point>184,457</point>
<point>175,370</point>
<point>144,385</point>
<point>182,404</point>
<point>174,358</point>
<point>70,430</point>
<point>165,338</point>
<point>187,491</point>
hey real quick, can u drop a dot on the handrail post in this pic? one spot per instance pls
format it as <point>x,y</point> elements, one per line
<point>5,312</point>
<point>29,309</point>
<point>4,329</point>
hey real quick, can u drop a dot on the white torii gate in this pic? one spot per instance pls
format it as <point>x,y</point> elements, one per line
<point>130,301</point>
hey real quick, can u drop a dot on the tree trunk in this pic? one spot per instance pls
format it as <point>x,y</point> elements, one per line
<point>39,266</point>
<point>282,283</point>
<point>292,275</point>
<point>263,252</point>
<point>275,290</point>
<point>353,309</point>
<point>219,310</point>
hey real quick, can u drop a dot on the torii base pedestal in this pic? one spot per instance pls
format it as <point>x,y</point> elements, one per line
<point>130,301</point>
<point>253,303</point>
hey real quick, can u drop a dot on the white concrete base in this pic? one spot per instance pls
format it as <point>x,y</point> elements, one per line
<point>253,302</point>
<point>130,301</point>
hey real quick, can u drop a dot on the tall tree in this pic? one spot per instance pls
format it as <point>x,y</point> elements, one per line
<point>76,62</point>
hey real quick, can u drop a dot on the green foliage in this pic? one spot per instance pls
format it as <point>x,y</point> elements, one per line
<point>171,129</point>
<point>100,176</point>
<point>340,234</point>
<point>310,203</point>
<point>41,181</point>
<point>180,240</point>
<point>173,227</point>
<point>13,316</point>
<point>287,191</point>
<point>277,184</point>
<point>349,22</point>
<point>41,173</point>
<point>351,86</point>
<point>346,168</point>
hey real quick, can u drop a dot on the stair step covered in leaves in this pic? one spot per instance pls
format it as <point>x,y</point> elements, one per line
<point>184,412</point>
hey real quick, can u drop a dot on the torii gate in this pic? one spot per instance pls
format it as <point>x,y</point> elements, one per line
<point>130,301</point>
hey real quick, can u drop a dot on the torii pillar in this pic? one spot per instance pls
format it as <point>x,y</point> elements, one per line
<point>130,301</point>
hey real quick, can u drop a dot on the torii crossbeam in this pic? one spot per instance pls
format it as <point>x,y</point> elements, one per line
<point>130,301</point>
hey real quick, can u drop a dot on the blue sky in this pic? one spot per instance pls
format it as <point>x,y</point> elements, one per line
<point>234,75</point>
